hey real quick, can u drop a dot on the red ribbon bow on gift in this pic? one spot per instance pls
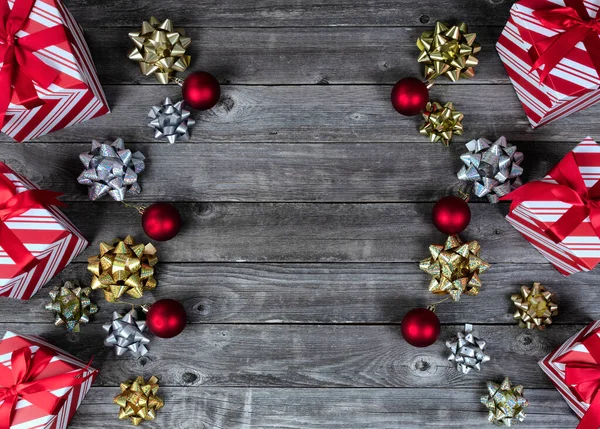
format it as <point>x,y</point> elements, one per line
<point>19,382</point>
<point>21,67</point>
<point>12,204</point>
<point>570,188</point>
<point>576,26</point>
<point>582,375</point>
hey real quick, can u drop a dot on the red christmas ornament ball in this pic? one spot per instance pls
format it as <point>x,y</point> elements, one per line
<point>201,91</point>
<point>161,221</point>
<point>166,318</point>
<point>420,327</point>
<point>409,96</point>
<point>451,215</point>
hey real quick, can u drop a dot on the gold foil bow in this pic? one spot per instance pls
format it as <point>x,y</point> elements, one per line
<point>455,267</point>
<point>138,400</point>
<point>72,305</point>
<point>505,403</point>
<point>535,307</point>
<point>441,122</point>
<point>123,267</point>
<point>160,49</point>
<point>448,51</point>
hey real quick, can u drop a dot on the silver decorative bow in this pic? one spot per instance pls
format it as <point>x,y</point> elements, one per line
<point>467,350</point>
<point>126,334</point>
<point>111,169</point>
<point>494,168</point>
<point>171,121</point>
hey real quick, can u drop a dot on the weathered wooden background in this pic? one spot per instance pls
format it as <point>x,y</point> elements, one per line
<point>307,201</point>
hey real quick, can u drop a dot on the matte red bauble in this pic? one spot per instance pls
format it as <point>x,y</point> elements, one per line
<point>420,327</point>
<point>161,221</point>
<point>451,215</point>
<point>409,96</point>
<point>166,318</point>
<point>201,91</point>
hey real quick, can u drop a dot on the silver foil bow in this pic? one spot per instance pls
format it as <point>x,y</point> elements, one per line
<point>171,121</point>
<point>467,350</point>
<point>111,169</point>
<point>494,168</point>
<point>126,334</point>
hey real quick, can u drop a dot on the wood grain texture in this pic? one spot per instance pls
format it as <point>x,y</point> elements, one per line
<point>326,293</point>
<point>244,408</point>
<point>275,172</point>
<point>311,356</point>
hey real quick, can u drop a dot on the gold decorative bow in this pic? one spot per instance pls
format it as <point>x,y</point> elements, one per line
<point>72,305</point>
<point>535,307</point>
<point>441,122</point>
<point>160,49</point>
<point>455,267</point>
<point>123,267</point>
<point>505,403</point>
<point>448,51</point>
<point>138,400</point>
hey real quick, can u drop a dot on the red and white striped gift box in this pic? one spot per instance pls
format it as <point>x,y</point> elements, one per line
<point>27,415</point>
<point>574,84</point>
<point>580,251</point>
<point>47,234</point>
<point>75,96</point>
<point>576,352</point>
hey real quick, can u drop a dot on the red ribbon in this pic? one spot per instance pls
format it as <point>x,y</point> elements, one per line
<point>576,26</point>
<point>20,382</point>
<point>570,189</point>
<point>582,375</point>
<point>21,67</point>
<point>12,204</point>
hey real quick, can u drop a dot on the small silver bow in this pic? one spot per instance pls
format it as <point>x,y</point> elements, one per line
<point>494,168</point>
<point>467,350</point>
<point>171,121</point>
<point>126,334</point>
<point>111,169</point>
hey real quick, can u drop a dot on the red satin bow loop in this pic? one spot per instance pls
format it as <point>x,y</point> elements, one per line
<point>570,188</point>
<point>584,380</point>
<point>576,26</point>
<point>19,382</point>
<point>12,204</point>
<point>21,67</point>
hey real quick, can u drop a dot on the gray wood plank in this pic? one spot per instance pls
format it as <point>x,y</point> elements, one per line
<point>284,13</point>
<point>298,232</point>
<point>311,356</point>
<point>323,113</point>
<point>326,293</point>
<point>244,408</point>
<point>269,56</point>
<point>275,172</point>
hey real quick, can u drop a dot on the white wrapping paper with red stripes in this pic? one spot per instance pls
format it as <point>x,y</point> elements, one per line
<point>27,416</point>
<point>47,234</point>
<point>571,86</point>
<point>75,96</point>
<point>580,251</point>
<point>556,370</point>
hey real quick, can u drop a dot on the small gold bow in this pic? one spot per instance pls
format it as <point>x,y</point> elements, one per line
<point>72,305</point>
<point>441,122</point>
<point>138,400</point>
<point>535,307</point>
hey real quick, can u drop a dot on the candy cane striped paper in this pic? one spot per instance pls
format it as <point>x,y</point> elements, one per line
<point>28,416</point>
<point>580,251</point>
<point>573,85</point>
<point>75,96</point>
<point>556,370</point>
<point>45,232</point>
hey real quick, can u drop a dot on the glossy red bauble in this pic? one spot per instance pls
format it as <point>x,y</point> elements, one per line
<point>420,327</point>
<point>166,318</point>
<point>201,91</point>
<point>451,215</point>
<point>161,221</point>
<point>409,96</point>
